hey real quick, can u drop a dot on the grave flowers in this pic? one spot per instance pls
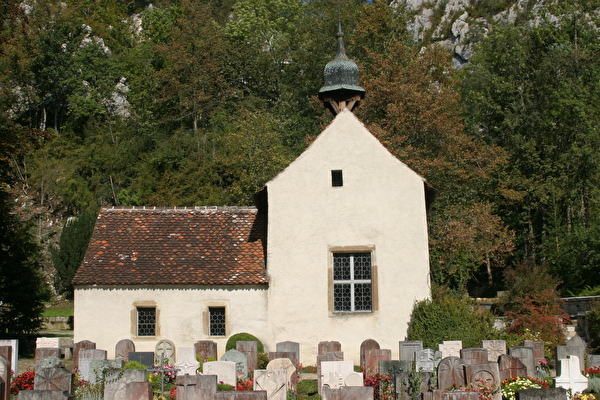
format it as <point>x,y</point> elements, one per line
<point>23,381</point>
<point>383,386</point>
<point>511,386</point>
<point>484,389</point>
<point>593,375</point>
<point>583,396</point>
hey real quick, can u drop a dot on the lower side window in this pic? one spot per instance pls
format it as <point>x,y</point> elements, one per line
<point>146,321</point>
<point>216,321</point>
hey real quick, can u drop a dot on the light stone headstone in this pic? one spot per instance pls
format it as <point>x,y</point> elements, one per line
<point>542,394</point>
<point>166,349</point>
<point>123,348</point>
<point>14,355</point>
<point>511,367</point>
<point>593,360</point>
<point>525,354</point>
<point>206,349</point>
<point>562,352</point>
<point>451,372</point>
<point>328,347</point>
<point>284,354</point>
<point>368,344</point>
<point>249,395</point>
<point>424,360</point>
<point>99,367</point>
<point>576,341</point>
<point>186,361</point>
<point>495,348</point>
<point>250,349</point>
<point>289,347</point>
<point>50,362</point>
<point>372,359</point>
<point>43,395</point>
<point>53,379</point>
<point>538,349</point>
<point>450,348</point>
<point>333,373</point>
<point>240,360</point>
<point>138,391</point>
<point>196,387</point>
<point>289,367</point>
<point>571,377</point>
<point>115,382</point>
<point>143,357</point>
<point>85,356</point>
<point>474,355</point>
<point>225,371</point>
<point>41,353</point>
<point>331,356</point>
<point>48,342</point>
<point>77,347</point>
<point>354,379</point>
<point>408,348</point>
<point>349,393</point>
<point>5,376</point>
<point>273,381</point>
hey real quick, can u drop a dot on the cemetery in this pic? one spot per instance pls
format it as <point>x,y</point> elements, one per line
<point>489,372</point>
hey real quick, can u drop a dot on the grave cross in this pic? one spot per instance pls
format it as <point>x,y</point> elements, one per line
<point>162,371</point>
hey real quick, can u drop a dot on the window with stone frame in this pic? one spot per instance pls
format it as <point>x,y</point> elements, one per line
<point>216,321</point>
<point>146,321</point>
<point>352,282</point>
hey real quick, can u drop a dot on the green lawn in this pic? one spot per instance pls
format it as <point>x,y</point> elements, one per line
<point>62,311</point>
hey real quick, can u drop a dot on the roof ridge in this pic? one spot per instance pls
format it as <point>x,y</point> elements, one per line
<point>184,208</point>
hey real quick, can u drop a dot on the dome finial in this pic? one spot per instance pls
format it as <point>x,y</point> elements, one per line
<point>341,89</point>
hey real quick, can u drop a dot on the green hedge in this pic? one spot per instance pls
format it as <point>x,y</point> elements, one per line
<point>244,337</point>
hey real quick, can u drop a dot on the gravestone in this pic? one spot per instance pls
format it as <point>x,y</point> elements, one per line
<point>42,353</point>
<point>331,356</point>
<point>563,352</point>
<point>240,360</point>
<point>333,373</point>
<point>206,349</point>
<point>254,395</point>
<point>273,355</point>
<point>5,376</point>
<point>451,372</point>
<point>143,357</point>
<point>85,356</point>
<point>123,348</point>
<point>354,379</point>
<point>53,379</point>
<point>570,376</point>
<point>250,349</point>
<point>14,352</point>
<point>525,354</point>
<point>368,344</point>
<point>115,382</point>
<point>372,359</point>
<point>48,342</point>
<point>538,349</point>
<point>166,349</point>
<point>541,394</point>
<point>287,347</point>
<point>576,341</point>
<point>51,362</point>
<point>273,381</point>
<point>138,391</point>
<point>328,347</point>
<point>488,372</point>
<point>394,367</point>
<point>408,348</point>
<point>6,353</point>
<point>424,360</point>
<point>77,347</point>
<point>196,387</point>
<point>43,395</point>
<point>511,367</point>
<point>99,367</point>
<point>348,393</point>
<point>460,396</point>
<point>289,367</point>
<point>474,355</point>
<point>224,370</point>
<point>495,348</point>
<point>186,361</point>
<point>593,360</point>
<point>450,348</point>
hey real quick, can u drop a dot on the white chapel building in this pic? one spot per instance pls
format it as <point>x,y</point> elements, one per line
<point>335,249</point>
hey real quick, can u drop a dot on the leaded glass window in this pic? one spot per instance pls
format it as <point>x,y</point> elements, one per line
<point>352,285</point>
<point>146,321</point>
<point>216,316</point>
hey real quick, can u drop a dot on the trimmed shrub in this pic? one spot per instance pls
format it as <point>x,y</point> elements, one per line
<point>244,337</point>
<point>134,365</point>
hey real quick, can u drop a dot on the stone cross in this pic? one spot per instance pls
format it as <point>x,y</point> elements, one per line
<point>53,379</point>
<point>186,361</point>
<point>166,349</point>
<point>162,371</point>
<point>570,376</point>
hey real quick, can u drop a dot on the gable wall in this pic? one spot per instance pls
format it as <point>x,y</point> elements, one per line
<point>381,205</point>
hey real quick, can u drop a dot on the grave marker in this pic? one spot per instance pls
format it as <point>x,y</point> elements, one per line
<point>289,347</point>
<point>77,347</point>
<point>495,348</point>
<point>273,381</point>
<point>451,372</point>
<point>424,360</point>
<point>273,355</point>
<point>206,349</point>
<point>570,376</point>
<point>5,376</point>
<point>225,371</point>
<point>115,383</point>
<point>53,379</point>
<point>254,395</point>
<point>186,361</point>
<point>138,391</point>
<point>43,395</point>
<point>240,360</point>
<point>41,353</point>
<point>450,348</point>
<point>366,345</point>
<point>328,347</point>
<point>85,356</point>
<point>563,352</point>
<point>510,367</point>
<point>538,349</point>
<point>196,387</point>
<point>165,349</point>
<point>99,367</point>
<point>289,367</point>
<point>143,357</point>
<point>542,394</point>
<point>372,359</point>
<point>14,352</point>
<point>525,354</point>
<point>474,355</point>
<point>408,348</point>
<point>250,350</point>
<point>123,348</point>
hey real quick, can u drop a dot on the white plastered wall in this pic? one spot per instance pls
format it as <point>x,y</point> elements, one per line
<point>105,315</point>
<point>380,205</point>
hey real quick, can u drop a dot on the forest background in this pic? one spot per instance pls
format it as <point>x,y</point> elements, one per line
<point>183,103</point>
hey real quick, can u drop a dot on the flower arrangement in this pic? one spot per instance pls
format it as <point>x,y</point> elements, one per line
<point>23,381</point>
<point>583,396</point>
<point>383,386</point>
<point>485,390</point>
<point>244,385</point>
<point>511,386</point>
<point>592,372</point>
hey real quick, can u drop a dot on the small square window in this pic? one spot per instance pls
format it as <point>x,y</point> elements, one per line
<point>216,321</point>
<point>146,321</point>
<point>337,179</point>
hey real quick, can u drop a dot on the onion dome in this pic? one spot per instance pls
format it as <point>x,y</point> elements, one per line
<point>341,89</point>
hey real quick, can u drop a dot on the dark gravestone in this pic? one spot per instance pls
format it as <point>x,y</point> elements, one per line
<point>451,372</point>
<point>538,349</point>
<point>393,367</point>
<point>372,359</point>
<point>196,387</point>
<point>5,376</point>
<point>474,355</point>
<point>138,391</point>
<point>123,348</point>
<point>206,349</point>
<point>44,395</point>
<point>53,379</point>
<point>408,349</point>
<point>284,354</point>
<point>144,357</point>
<point>251,395</point>
<point>115,384</point>
<point>525,354</point>
<point>368,344</point>
<point>510,367</point>
<point>2,388</point>
<point>328,347</point>
<point>250,349</point>
<point>289,347</point>
<point>77,347</point>
<point>41,353</point>
<point>542,394</point>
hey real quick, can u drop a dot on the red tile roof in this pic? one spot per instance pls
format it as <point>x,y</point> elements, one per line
<point>192,245</point>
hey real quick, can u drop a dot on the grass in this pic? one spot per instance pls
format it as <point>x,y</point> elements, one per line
<point>59,309</point>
